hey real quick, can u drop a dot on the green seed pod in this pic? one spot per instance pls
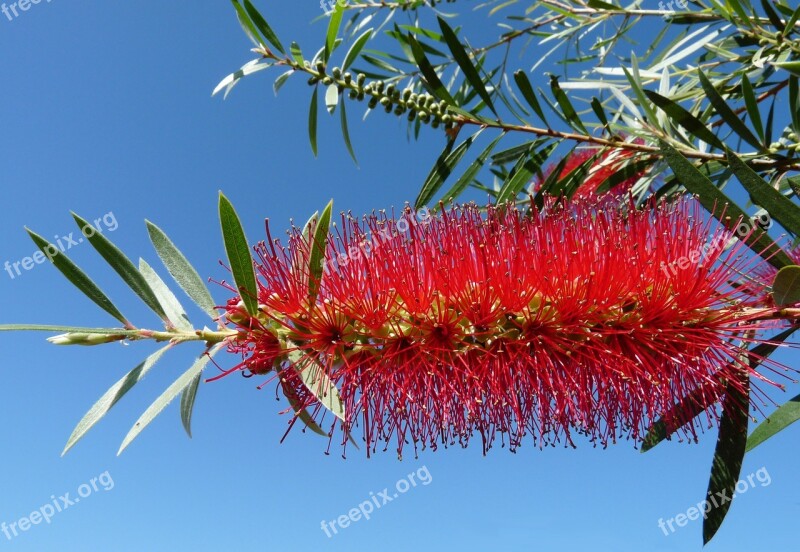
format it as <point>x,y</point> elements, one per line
<point>386,102</point>
<point>373,101</point>
<point>406,94</point>
<point>312,81</point>
<point>348,78</point>
<point>399,110</point>
<point>337,73</point>
<point>353,95</point>
<point>360,79</point>
<point>320,68</point>
<point>327,81</point>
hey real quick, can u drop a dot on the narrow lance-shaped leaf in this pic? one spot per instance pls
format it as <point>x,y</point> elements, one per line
<point>525,87</point>
<point>247,24</point>
<point>685,119</point>
<point>566,106</point>
<point>175,312</point>
<point>528,165</point>
<point>333,31</point>
<point>112,397</point>
<point>442,169</point>
<point>312,122</point>
<point>761,193</point>
<point>167,396</point>
<point>715,201</point>
<point>78,278</point>
<point>727,114</point>
<point>469,175</point>
<point>188,398</point>
<point>355,49</point>
<point>239,258</point>
<point>181,270</point>
<point>728,457</point>
<point>68,329</point>
<point>437,88</point>
<point>317,256</point>
<point>751,103</point>
<point>259,21</point>
<point>122,265</point>
<point>346,131</point>
<point>462,58</point>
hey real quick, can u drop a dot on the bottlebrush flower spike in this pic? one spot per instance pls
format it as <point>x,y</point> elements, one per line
<point>570,321</point>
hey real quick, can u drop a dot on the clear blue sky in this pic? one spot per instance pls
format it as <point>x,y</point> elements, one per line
<point>105,109</point>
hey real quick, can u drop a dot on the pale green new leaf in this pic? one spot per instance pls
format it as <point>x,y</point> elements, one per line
<point>111,397</point>
<point>175,312</point>
<point>177,387</point>
<point>181,270</point>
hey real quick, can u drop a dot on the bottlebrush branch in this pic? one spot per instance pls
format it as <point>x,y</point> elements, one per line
<point>423,330</point>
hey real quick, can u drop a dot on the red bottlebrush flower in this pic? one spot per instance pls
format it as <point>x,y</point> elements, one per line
<point>550,324</point>
<point>609,161</point>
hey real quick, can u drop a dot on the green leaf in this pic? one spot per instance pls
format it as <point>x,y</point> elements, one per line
<point>238,251</point>
<point>281,80</point>
<point>442,169</point>
<point>312,122</point>
<point>715,200</point>
<point>600,113</point>
<point>469,175</point>
<point>331,98</point>
<point>566,106</point>
<point>751,103</point>
<point>783,417</point>
<point>523,171</point>
<point>437,88</point>
<point>728,456</point>
<point>355,49</point>
<point>317,382</point>
<point>333,31</point>
<point>262,26</point>
<point>773,17</point>
<point>297,54</point>
<point>68,329</point>
<point>727,114</point>
<point>167,396</point>
<point>462,58</point>
<point>685,119</point>
<point>175,312</point>
<point>317,256</point>
<point>188,398</point>
<point>112,397</point>
<point>346,132</point>
<point>78,278</point>
<point>247,24</point>
<point>122,265</point>
<point>181,270</point>
<point>761,193</point>
<point>786,287</point>
<point>525,87</point>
